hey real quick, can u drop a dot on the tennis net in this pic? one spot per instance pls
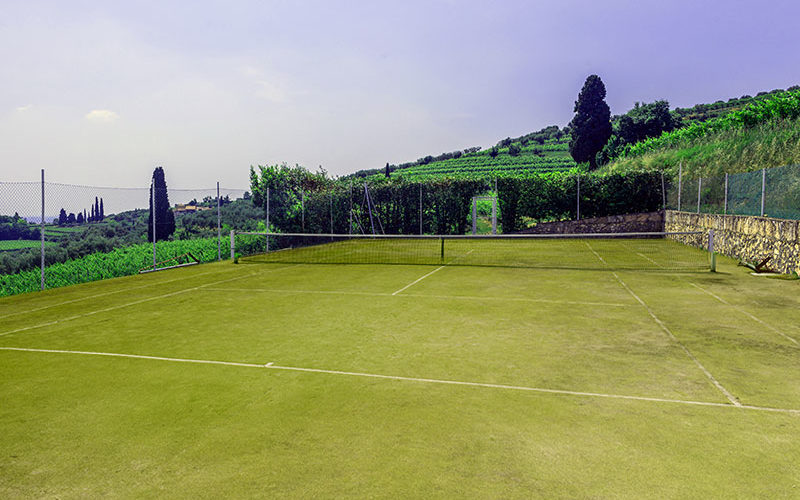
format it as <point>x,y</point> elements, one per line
<point>639,251</point>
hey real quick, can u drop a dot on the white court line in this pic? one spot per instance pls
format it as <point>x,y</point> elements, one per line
<point>136,302</point>
<point>669,333</point>
<point>723,301</point>
<point>272,366</point>
<point>438,268</point>
<point>421,295</point>
<point>757,320</point>
<point>418,280</point>
<point>104,294</point>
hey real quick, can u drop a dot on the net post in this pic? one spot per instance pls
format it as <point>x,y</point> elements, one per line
<point>233,245</point>
<point>699,187</point>
<point>725,209</point>
<point>711,252</point>
<point>442,249</point>
<point>680,180</point>
<point>763,188</point>
<point>219,229</point>
<point>474,216</point>
<point>42,236</point>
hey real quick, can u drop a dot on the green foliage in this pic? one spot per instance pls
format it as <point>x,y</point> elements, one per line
<point>553,196</point>
<point>591,126</point>
<point>782,106</point>
<point>118,262</point>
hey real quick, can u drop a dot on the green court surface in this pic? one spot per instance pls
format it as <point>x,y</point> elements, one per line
<point>429,381</point>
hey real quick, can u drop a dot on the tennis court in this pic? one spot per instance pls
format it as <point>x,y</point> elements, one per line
<point>612,368</point>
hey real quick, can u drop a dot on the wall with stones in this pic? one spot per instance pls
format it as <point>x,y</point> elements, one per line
<point>629,223</point>
<point>745,237</point>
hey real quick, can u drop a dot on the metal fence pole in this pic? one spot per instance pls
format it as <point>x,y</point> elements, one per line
<point>663,193</point>
<point>420,208</point>
<point>680,179</point>
<point>330,198</point>
<point>725,209</point>
<point>699,187</point>
<point>474,216</point>
<point>578,201</point>
<point>268,216</point>
<point>233,245</point>
<point>494,214</point>
<point>302,211</point>
<point>42,235</point>
<point>219,229</point>
<point>711,252</point>
<point>763,188</point>
<point>153,214</point>
<point>350,230</point>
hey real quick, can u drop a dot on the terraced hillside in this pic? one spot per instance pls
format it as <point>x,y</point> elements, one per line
<point>553,154</point>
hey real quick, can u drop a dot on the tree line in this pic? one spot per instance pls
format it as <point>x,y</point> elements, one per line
<point>96,214</point>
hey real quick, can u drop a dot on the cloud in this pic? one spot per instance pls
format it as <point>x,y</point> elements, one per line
<point>22,109</point>
<point>101,115</point>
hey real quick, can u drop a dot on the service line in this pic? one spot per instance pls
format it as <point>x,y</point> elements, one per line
<point>272,366</point>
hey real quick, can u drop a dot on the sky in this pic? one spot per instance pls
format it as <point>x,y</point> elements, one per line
<point>99,93</point>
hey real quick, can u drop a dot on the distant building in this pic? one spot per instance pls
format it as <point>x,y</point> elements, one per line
<point>180,208</point>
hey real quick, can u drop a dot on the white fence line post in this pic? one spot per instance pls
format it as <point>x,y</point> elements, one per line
<point>233,245</point>
<point>763,188</point>
<point>725,209</point>
<point>680,180</point>
<point>153,205</point>
<point>42,235</point>
<point>219,229</point>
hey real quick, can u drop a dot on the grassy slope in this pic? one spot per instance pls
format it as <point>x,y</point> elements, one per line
<point>767,145</point>
<point>88,426</point>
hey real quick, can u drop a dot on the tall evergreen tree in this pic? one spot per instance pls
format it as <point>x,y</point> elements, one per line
<point>165,219</point>
<point>62,217</point>
<point>102,214</point>
<point>92,215</point>
<point>96,215</point>
<point>80,218</point>
<point>591,126</point>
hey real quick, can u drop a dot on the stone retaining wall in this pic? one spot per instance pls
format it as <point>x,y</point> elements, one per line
<point>628,223</point>
<point>746,237</point>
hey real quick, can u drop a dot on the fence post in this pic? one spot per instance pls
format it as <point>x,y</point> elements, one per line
<point>578,200</point>
<point>711,252</point>
<point>153,210</point>
<point>268,217</point>
<point>680,180</point>
<point>663,192</point>
<point>233,245</point>
<point>42,234</point>
<point>494,214</point>
<point>420,208</point>
<point>302,211</point>
<point>219,229</point>
<point>350,230</point>
<point>474,216</point>
<point>330,199</point>
<point>725,210</point>
<point>699,187</point>
<point>763,188</point>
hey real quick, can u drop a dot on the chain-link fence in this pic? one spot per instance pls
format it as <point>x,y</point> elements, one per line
<point>55,234</point>
<point>771,192</point>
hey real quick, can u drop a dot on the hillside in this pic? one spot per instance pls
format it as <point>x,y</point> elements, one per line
<point>548,149</point>
<point>762,134</point>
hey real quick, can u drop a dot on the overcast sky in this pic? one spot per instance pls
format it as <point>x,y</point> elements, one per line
<point>99,93</point>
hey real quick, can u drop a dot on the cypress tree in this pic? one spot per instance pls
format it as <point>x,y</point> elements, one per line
<point>102,214</point>
<point>96,214</point>
<point>591,126</point>
<point>62,217</point>
<point>165,219</point>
